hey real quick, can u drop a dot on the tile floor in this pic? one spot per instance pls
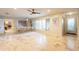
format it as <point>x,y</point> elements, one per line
<point>35,41</point>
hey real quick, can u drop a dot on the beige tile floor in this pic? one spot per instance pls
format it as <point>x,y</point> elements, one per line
<point>35,41</point>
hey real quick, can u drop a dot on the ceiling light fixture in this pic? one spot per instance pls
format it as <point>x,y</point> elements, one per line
<point>70,13</point>
<point>48,10</point>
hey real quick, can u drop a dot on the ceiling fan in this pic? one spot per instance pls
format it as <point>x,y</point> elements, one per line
<point>33,11</point>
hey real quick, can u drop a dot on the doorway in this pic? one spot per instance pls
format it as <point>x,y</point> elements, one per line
<point>70,26</point>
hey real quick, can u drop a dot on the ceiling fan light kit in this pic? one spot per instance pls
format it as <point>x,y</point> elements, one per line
<point>33,11</point>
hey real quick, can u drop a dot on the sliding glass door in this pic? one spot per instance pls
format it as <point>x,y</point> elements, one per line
<point>40,24</point>
<point>71,25</point>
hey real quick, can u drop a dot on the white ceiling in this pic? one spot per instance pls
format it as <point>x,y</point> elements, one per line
<point>23,13</point>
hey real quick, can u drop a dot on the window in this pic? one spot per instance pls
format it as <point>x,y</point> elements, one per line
<point>47,23</point>
<point>71,24</point>
<point>41,24</point>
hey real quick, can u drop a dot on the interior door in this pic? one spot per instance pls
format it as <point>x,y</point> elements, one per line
<point>71,25</point>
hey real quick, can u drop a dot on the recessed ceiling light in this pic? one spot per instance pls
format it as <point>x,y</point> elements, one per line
<point>48,10</point>
<point>70,13</point>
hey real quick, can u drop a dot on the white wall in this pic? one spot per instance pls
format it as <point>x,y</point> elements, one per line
<point>78,25</point>
<point>54,29</point>
<point>58,29</point>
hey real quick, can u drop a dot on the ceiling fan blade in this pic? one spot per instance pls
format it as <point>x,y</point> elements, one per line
<point>29,10</point>
<point>33,10</point>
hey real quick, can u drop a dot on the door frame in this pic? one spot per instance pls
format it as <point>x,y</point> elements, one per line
<point>70,32</point>
<point>65,24</point>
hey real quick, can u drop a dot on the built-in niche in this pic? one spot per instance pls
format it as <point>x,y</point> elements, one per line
<point>8,26</point>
